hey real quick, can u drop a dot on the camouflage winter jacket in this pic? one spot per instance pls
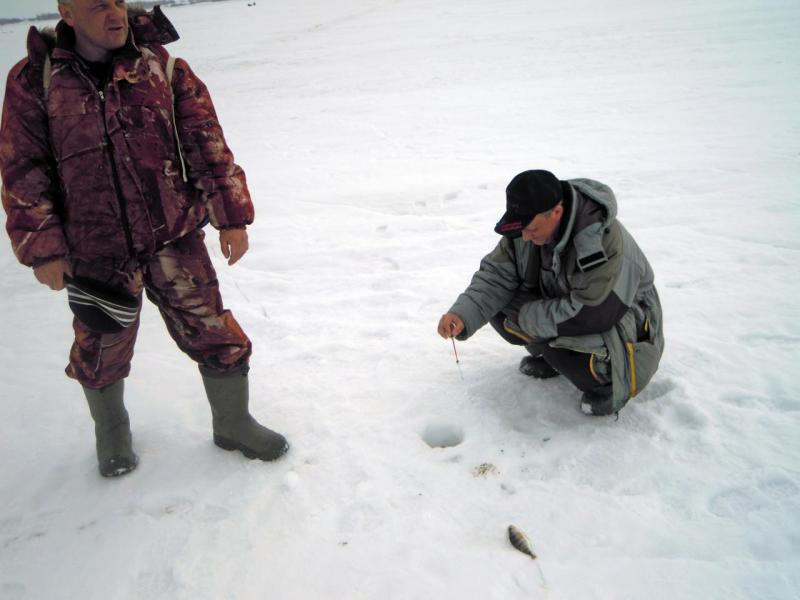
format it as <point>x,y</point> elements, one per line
<point>591,291</point>
<point>91,173</point>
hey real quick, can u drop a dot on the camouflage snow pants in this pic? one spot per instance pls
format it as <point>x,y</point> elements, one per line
<point>180,280</point>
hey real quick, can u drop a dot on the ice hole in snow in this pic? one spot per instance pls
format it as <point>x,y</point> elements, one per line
<point>443,435</point>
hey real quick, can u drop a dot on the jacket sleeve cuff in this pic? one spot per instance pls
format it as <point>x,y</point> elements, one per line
<point>231,212</point>
<point>472,318</point>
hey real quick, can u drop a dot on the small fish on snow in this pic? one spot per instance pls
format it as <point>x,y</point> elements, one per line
<point>520,541</point>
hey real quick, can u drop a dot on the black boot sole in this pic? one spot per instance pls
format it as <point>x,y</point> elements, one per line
<point>230,445</point>
<point>117,467</point>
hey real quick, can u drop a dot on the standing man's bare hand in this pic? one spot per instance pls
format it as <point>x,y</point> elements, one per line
<point>450,325</point>
<point>233,243</point>
<point>51,273</point>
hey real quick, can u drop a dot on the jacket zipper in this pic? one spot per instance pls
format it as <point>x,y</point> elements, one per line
<point>115,177</point>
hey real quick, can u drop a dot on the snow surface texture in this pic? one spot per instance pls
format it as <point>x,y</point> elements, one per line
<point>378,138</point>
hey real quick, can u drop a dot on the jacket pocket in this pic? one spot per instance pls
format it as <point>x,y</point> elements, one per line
<point>585,344</point>
<point>643,359</point>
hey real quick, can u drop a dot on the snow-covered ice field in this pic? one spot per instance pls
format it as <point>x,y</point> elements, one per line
<point>378,138</point>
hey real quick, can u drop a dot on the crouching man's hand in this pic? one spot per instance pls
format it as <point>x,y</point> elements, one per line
<point>233,243</point>
<point>450,325</point>
<point>51,273</point>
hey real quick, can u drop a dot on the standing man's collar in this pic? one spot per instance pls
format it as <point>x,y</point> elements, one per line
<point>65,45</point>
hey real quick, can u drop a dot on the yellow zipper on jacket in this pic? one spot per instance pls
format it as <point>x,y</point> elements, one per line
<point>632,362</point>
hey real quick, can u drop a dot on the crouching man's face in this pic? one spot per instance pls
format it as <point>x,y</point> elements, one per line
<point>100,25</point>
<point>542,230</point>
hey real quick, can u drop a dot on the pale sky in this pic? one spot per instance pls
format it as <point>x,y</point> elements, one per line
<point>26,8</point>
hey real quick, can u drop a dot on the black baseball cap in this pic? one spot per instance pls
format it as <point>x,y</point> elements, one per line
<point>528,194</point>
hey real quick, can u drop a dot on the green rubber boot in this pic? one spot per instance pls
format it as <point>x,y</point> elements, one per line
<point>234,427</point>
<point>112,430</point>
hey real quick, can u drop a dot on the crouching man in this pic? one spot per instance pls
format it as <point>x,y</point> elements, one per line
<point>569,284</point>
<point>112,160</point>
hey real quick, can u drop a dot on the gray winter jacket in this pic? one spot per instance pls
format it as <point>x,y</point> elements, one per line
<point>591,291</point>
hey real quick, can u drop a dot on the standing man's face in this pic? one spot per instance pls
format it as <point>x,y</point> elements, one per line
<point>100,26</point>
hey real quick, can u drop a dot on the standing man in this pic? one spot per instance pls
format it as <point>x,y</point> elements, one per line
<point>111,164</point>
<point>567,282</point>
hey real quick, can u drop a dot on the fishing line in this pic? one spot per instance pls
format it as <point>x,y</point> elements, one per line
<point>458,362</point>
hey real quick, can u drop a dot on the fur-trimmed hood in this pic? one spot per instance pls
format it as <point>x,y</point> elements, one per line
<point>146,27</point>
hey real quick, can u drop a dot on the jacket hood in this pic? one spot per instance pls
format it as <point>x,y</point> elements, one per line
<point>147,27</point>
<point>600,193</point>
<point>586,222</point>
